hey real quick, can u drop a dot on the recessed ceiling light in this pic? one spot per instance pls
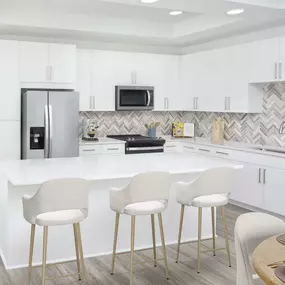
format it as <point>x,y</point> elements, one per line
<point>235,11</point>
<point>149,1</point>
<point>175,13</point>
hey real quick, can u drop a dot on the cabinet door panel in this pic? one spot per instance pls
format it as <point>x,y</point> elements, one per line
<point>274,194</point>
<point>10,97</point>
<point>83,85</point>
<point>248,188</point>
<point>34,61</point>
<point>263,58</point>
<point>62,60</point>
<point>282,58</point>
<point>108,70</point>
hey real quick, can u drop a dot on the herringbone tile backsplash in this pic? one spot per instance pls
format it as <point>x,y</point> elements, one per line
<point>252,128</point>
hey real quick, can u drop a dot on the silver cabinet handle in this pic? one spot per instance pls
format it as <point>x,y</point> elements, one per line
<point>203,149</point>
<point>229,103</point>
<point>223,153</point>
<point>189,147</point>
<point>46,146</point>
<point>167,102</point>
<point>259,175</point>
<point>194,103</point>
<point>264,176</point>
<point>50,130</point>
<point>51,73</point>
<point>197,103</point>
<point>88,150</point>
<point>275,70</point>
<point>90,102</point>
<point>47,73</point>
<point>93,102</point>
<point>280,70</point>
<point>113,149</point>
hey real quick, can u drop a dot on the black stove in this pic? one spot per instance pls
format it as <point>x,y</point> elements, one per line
<point>140,144</point>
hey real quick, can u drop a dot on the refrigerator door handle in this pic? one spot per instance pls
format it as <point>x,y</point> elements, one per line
<point>46,119</point>
<point>50,130</point>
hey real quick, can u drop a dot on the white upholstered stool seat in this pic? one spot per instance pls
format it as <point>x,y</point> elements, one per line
<point>60,218</point>
<point>214,200</point>
<point>145,208</point>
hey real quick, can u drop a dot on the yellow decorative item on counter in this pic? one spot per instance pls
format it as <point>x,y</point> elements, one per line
<point>182,130</point>
<point>218,130</point>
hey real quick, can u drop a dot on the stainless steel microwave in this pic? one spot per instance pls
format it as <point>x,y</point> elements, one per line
<point>134,98</point>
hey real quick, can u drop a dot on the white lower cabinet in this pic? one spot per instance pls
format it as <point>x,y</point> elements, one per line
<point>98,149</point>
<point>274,190</point>
<point>248,188</point>
<point>10,143</point>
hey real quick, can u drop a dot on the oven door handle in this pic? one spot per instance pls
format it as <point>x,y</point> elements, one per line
<point>148,98</point>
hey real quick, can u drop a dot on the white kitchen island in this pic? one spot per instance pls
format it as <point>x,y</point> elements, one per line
<point>24,177</point>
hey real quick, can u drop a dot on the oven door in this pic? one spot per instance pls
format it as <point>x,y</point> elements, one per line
<point>134,98</point>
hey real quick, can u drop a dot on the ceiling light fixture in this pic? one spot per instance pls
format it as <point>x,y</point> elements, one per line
<point>175,13</point>
<point>235,11</point>
<point>149,1</point>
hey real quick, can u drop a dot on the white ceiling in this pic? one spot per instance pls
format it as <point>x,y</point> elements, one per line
<point>132,22</point>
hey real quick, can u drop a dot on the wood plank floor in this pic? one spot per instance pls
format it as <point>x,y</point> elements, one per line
<point>214,270</point>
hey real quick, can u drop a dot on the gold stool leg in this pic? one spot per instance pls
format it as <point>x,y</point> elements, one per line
<point>32,242</point>
<point>153,239</point>
<point>115,242</point>
<point>213,230</point>
<point>77,251</point>
<point>199,237</point>
<point>163,245</point>
<point>133,229</point>
<point>81,252</point>
<point>226,235</point>
<point>180,231</point>
<point>45,241</point>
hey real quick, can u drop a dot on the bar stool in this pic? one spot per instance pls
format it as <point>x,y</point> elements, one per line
<point>58,202</point>
<point>146,194</point>
<point>210,189</point>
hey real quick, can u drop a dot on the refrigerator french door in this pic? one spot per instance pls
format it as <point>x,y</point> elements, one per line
<point>50,124</point>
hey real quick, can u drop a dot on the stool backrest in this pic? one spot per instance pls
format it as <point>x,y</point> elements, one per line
<point>215,181</point>
<point>150,186</point>
<point>58,195</point>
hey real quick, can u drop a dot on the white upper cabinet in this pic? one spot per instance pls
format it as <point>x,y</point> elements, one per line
<point>282,59</point>
<point>83,85</point>
<point>42,65</point>
<point>34,62</point>
<point>62,61</point>
<point>162,72</point>
<point>10,97</point>
<point>264,61</point>
<point>108,70</point>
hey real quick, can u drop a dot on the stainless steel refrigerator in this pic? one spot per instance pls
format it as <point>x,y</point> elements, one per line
<point>50,124</point>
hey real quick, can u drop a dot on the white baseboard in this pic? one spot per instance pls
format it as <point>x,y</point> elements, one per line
<point>93,255</point>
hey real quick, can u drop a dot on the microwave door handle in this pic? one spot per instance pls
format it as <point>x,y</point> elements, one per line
<point>148,98</point>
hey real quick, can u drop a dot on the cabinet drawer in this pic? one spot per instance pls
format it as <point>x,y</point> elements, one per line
<point>113,148</point>
<point>89,150</point>
<point>171,147</point>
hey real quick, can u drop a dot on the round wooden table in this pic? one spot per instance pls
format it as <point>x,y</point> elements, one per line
<point>265,257</point>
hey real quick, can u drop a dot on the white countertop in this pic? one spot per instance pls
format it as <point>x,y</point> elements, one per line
<point>31,172</point>
<point>253,148</point>
<point>102,140</point>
